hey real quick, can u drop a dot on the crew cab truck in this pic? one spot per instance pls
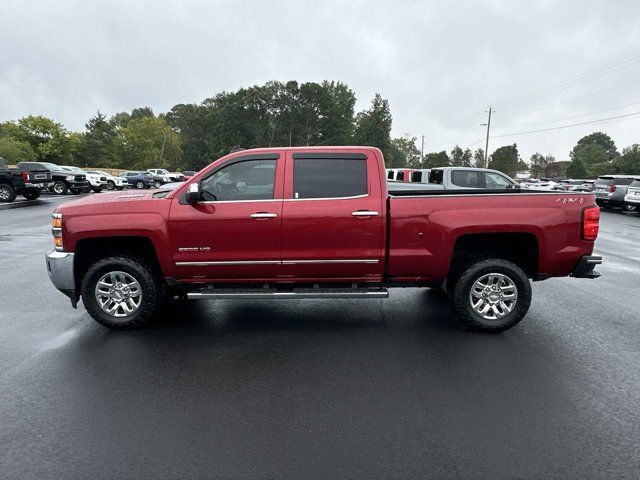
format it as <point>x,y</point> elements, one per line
<point>28,183</point>
<point>316,223</point>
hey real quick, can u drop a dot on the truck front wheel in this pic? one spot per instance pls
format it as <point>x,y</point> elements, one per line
<point>121,292</point>
<point>491,295</point>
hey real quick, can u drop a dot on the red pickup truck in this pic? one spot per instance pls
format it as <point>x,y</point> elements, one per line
<point>313,222</point>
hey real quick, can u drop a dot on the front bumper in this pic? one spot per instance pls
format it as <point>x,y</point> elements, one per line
<point>585,267</point>
<point>61,273</point>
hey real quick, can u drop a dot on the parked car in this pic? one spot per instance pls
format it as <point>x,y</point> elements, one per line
<point>189,173</point>
<point>544,184</point>
<point>457,178</point>
<point>169,176</point>
<point>98,182</point>
<point>327,225</point>
<point>138,179</point>
<point>610,190</point>
<point>577,185</point>
<point>26,182</point>
<point>63,180</point>
<point>632,197</point>
<point>113,182</point>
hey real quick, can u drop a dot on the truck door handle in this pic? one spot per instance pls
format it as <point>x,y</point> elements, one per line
<point>364,213</point>
<point>264,215</point>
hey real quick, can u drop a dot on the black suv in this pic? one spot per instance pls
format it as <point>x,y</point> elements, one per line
<point>63,180</point>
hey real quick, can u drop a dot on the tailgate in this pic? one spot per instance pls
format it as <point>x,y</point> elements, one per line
<point>39,176</point>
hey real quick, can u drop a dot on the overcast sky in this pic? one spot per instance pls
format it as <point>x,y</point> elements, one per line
<point>441,64</point>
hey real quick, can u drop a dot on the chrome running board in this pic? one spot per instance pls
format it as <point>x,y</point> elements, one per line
<point>294,294</point>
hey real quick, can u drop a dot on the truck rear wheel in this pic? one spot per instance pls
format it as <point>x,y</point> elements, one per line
<point>491,295</point>
<point>121,293</point>
<point>7,193</point>
<point>31,194</point>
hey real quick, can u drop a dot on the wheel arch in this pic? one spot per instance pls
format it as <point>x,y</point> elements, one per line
<point>90,250</point>
<point>521,248</point>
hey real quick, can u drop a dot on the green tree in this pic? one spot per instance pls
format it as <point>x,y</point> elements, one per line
<point>597,138</point>
<point>148,142</point>
<point>405,152</point>
<point>436,159</point>
<point>629,162</point>
<point>576,169</point>
<point>506,159</point>
<point>49,140</point>
<point>15,151</point>
<point>460,158</point>
<point>373,127</point>
<point>557,170</point>
<point>98,145</point>
<point>478,158</point>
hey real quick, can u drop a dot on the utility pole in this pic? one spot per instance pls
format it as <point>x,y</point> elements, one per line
<point>422,151</point>
<point>486,145</point>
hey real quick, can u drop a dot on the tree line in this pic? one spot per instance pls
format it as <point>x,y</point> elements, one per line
<point>190,136</point>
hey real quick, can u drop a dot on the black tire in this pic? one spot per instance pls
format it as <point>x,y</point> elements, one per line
<point>111,185</point>
<point>157,184</point>
<point>460,294</point>
<point>31,194</point>
<point>7,193</point>
<point>60,187</point>
<point>151,289</point>
<point>139,185</point>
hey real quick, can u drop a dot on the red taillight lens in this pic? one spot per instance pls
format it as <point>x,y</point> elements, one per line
<point>590,223</point>
<point>25,177</point>
<point>612,188</point>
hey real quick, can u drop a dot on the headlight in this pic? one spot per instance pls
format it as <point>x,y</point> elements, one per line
<point>70,177</point>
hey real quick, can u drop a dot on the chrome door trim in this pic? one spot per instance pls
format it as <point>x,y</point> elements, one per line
<point>325,261</point>
<point>228,262</point>
<point>325,198</point>
<point>277,262</point>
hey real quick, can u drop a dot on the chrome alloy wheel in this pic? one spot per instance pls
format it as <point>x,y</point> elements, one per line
<point>5,194</point>
<point>118,294</point>
<point>493,296</point>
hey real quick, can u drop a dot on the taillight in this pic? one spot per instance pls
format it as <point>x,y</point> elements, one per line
<point>590,222</point>
<point>612,188</point>
<point>56,231</point>
<point>25,177</point>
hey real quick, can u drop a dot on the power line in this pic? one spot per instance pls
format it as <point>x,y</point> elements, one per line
<point>566,126</point>
<point>576,116</point>
<point>575,99</point>
<point>587,75</point>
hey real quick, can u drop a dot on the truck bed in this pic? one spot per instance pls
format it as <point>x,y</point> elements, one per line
<point>425,226</point>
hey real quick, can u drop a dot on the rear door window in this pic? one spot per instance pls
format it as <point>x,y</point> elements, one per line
<point>436,177</point>
<point>623,181</point>
<point>466,179</point>
<point>329,178</point>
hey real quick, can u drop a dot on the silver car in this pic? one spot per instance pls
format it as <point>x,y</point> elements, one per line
<point>632,198</point>
<point>610,190</point>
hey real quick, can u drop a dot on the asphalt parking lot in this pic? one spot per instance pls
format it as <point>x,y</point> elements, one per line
<point>320,389</point>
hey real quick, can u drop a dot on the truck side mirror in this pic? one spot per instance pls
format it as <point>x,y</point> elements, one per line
<point>193,193</point>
